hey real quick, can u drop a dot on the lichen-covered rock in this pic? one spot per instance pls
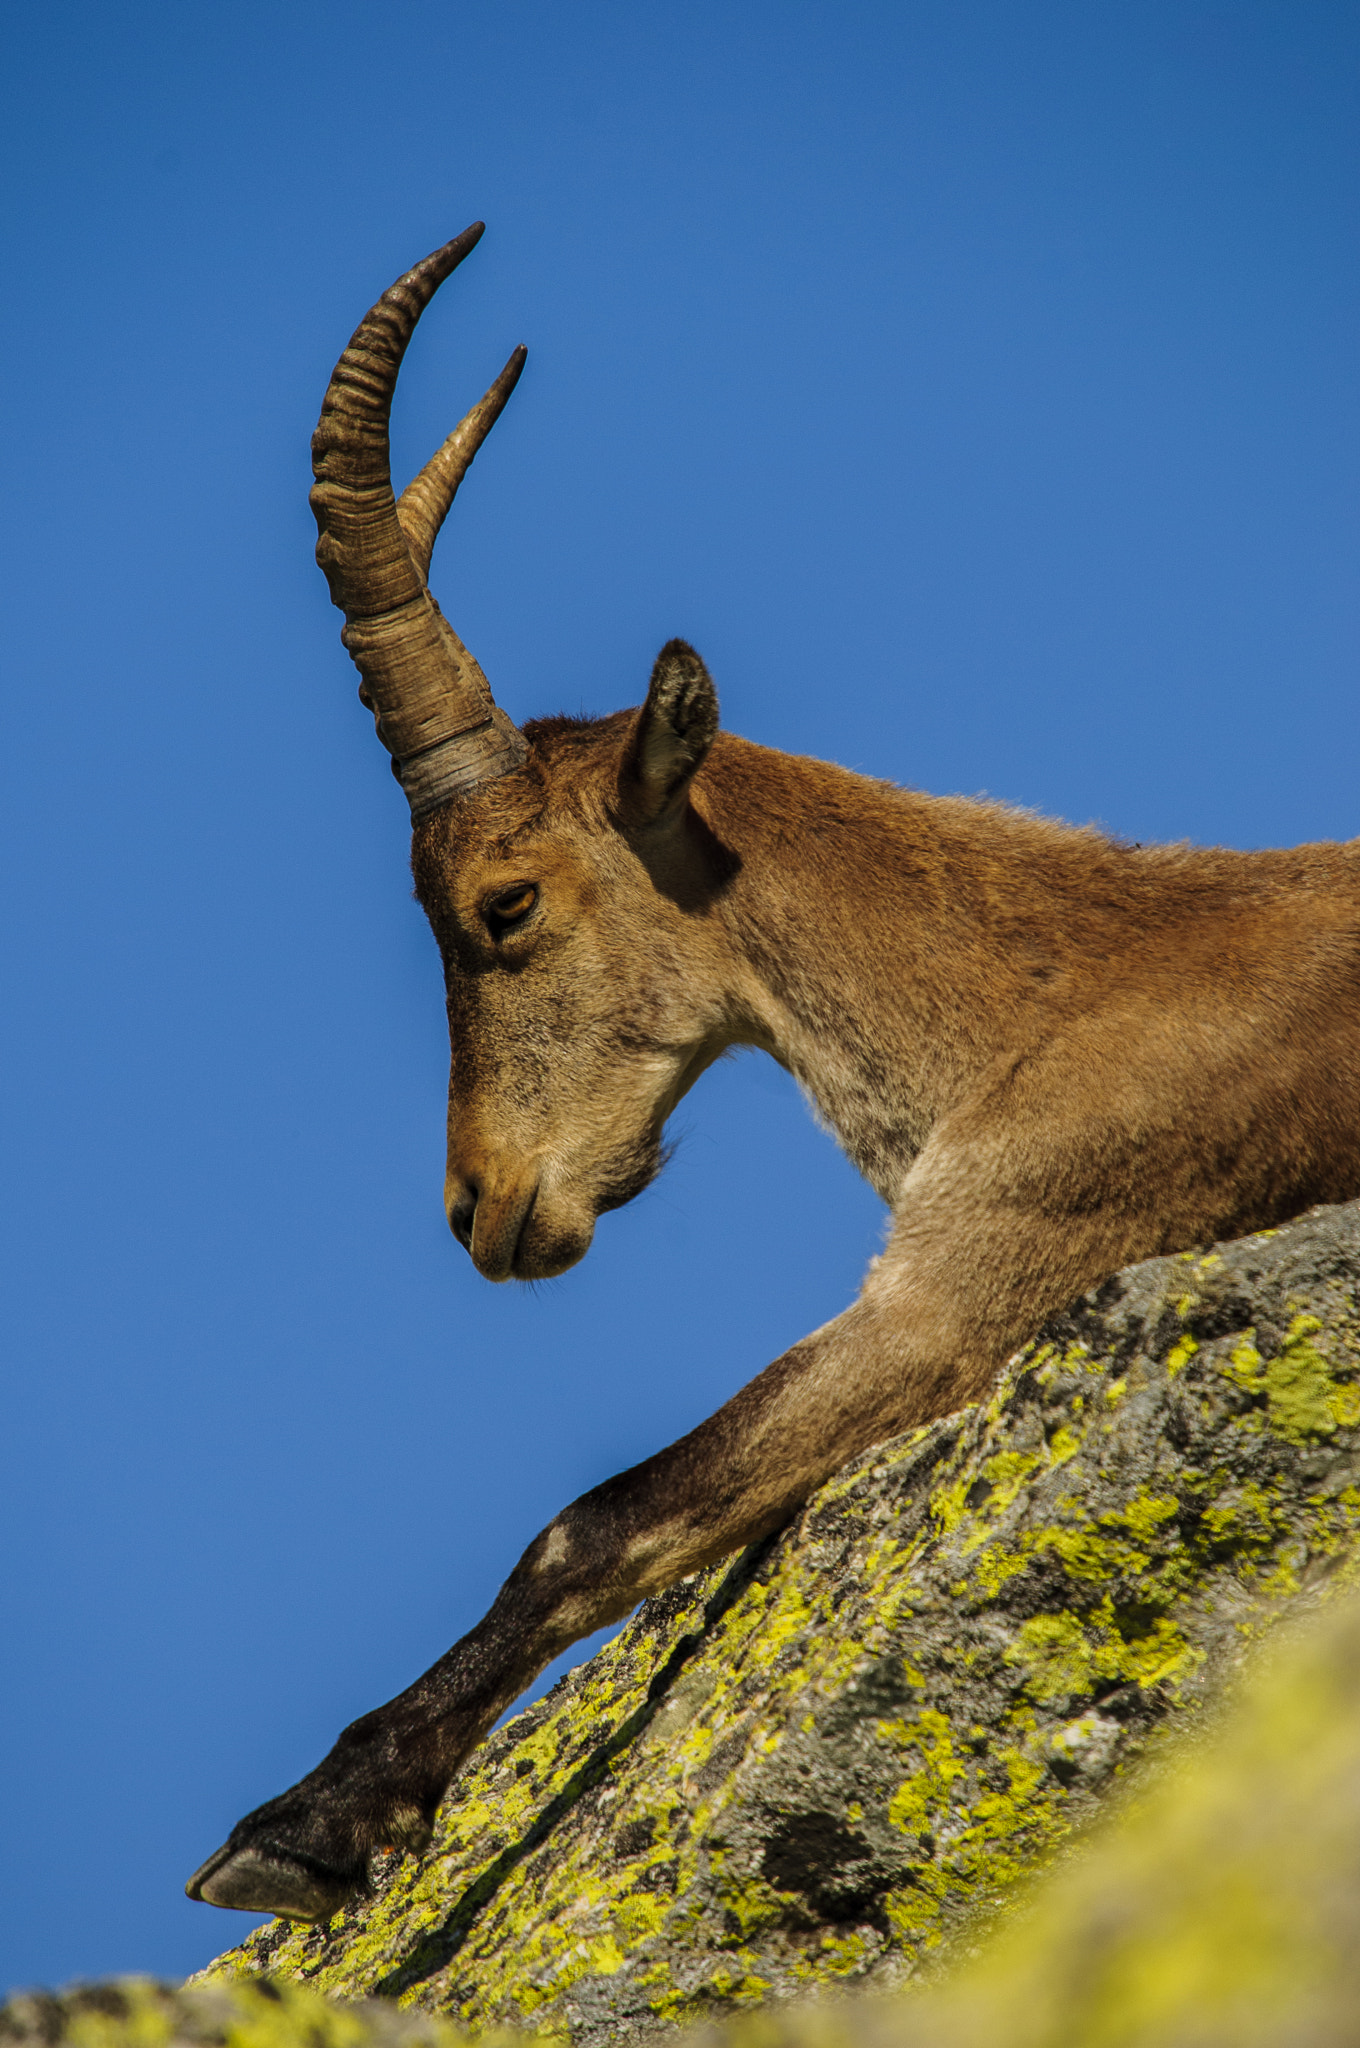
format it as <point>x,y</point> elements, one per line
<point>1222,1911</point>
<point>137,2012</point>
<point>830,1760</point>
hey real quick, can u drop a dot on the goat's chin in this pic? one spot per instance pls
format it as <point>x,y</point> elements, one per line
<point>628,1173</point>
<point>560,1226</point>
<point>549,1245</point>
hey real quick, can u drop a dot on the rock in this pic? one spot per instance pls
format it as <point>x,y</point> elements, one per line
<point>137,2012</point>
<point>1222,1912</point>
<point>829,1762</point>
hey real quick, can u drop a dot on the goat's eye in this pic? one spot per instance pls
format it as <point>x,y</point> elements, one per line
<point>510,906</point>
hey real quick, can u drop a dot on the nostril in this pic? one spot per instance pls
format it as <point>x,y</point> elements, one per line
<point>460,1214</point>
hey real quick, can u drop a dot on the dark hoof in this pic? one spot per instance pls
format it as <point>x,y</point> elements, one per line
<point>270,1880</point>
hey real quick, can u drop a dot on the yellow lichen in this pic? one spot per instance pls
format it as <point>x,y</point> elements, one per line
<point>507,1915</point>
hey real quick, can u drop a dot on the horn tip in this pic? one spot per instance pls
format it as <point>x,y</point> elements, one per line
<point>440,263</point>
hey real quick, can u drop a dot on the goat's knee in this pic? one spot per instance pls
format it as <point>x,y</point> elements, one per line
<point>575,1575</point>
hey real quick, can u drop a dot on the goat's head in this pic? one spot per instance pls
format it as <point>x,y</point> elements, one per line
<point>565,870</point>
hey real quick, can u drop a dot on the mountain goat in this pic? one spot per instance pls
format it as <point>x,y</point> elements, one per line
<point>1050,1053</point>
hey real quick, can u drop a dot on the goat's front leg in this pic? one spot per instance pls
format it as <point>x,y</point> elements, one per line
<point>926,1335</point>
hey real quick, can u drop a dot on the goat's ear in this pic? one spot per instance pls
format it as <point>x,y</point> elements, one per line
<point>675,730</point>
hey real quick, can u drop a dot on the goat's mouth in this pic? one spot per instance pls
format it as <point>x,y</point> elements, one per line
<point>497,1231</point>
<point>558,1226</point>
<point>524,1235</point>
<point>525,1230</point>
<point>550,1242</point>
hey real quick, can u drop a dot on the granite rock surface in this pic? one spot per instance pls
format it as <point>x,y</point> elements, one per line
<point>1219,1907</point>
<point>249,2012</point>
<point>828,1762</point>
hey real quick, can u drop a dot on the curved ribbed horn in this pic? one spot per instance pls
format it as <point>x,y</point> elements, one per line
<point>433,706</point>
<point>424,505</point>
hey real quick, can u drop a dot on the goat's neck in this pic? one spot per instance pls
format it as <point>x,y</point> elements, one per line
<point>882,952</point>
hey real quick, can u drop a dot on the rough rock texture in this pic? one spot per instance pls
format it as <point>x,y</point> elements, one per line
<point>1223,1912</point>
<point>139,2013</point>
<point>831,1760</point>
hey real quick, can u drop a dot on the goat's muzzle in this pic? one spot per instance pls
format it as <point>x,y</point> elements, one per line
<point>512,1231</point>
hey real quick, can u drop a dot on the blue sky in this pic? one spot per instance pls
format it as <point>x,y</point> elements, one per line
<point>974,383</point>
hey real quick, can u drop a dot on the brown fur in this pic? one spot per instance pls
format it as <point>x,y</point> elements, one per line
<point>1051,1054</point>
